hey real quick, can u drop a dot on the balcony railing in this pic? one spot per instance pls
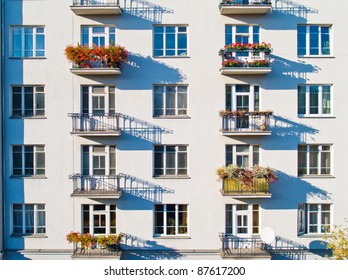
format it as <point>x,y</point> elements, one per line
<point>96,185</point>
<point>236,247</point>
<point>233,187</point>
<point>96,7</point>
<point>246,61</point>
<point>230,7</point>
<point>96,251</point>
<point>96,125</point>
<point>246,123</point>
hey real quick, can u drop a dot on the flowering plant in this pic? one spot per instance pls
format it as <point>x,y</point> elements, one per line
<point>240,113</point>
<point>73,237</point>
<point>265,173</point>
<point>232,63</point>
<point>86,57</point>
<point>240,47</point>
<point>259,63</point>
<point>88,240</point>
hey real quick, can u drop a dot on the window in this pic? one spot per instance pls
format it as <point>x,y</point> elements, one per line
<point>314,100</point>
<point>314,218</point>
<point>99,219</point>
<point>170,100</point>
<point>170,40</point>
<point>314,160</point>
<point>28,160</point>
<point>242,34</point>
<point>98,35</point>
<point>28,101</point>
<point>242,219</point>
<point>170,160</point>
<point>242,97</point>
<point>99,160</point>
<point>313,40</point>
<point>98,100</point>
<point>244,156</point>
<point>171,219</point>
<point>27,41</point>
<point>28,219</point>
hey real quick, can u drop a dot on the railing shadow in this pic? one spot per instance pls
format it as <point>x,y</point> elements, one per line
<point>146,10</point>
<point>287,249</point>
<point>136,248</point>
<point>143,129</point>
<point>293,131</point>
<point>142,188</point>
<point>292,8</point>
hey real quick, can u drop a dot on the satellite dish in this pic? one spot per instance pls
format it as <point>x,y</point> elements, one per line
<point>267,235</point>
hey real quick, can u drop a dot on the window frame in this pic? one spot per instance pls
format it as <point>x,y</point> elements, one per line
<point>164,161</point>
<point>319,166</point>
<point>22,50</point>
<point>109,229</point>
<point>303,218</point>
<point>35,167</point>
<point>92,34</point>
<point>253,227</point>
<point>164,101</point>
<point>35,109</point>
<point>24,223</point>
<point>251,154</point>
<point>320,100</point>
<point>164,221</point>
<point>109,90</point>
<point>92,154</point>
<point>251,34</point>
<point>231,94</point>
<point>164,41</point>
<point>307,42</point>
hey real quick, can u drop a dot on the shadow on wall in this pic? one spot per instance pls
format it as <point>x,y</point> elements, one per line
<point>135,248</point>
<point>289,190</point>
<point>143,189</point>
<point>145,10</point>
<point>142,72</point>
<point>292,8</point>
<point>287,73</point>
<point>293,131</point>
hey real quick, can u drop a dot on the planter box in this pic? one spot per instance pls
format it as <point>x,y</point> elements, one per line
<point>95,71</point>
<point>235,188</point>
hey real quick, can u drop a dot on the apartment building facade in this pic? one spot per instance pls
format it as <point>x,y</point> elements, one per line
<point>134,148</point>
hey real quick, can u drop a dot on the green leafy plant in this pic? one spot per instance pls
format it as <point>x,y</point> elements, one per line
<point>337,241</point>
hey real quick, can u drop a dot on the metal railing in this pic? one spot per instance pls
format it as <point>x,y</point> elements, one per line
<point>246,122</point>
<point>82,123</point>
<point>246,58</point>
<point>245,2</point>
<point>95,250</point>
<point>95,184</point>
<point>233,246</point>
<point>233,186</point>
<point>96,2</point>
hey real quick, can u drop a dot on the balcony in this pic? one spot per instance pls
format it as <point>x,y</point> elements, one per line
<point>246,59</point>
<point>234,247</point>
<point>99,70</point>
<point>235,188</point>
<point>245,7</point>
<point>96,7</point>
<point>95,125</point>
<point>96,186</point>
<point>244,123</point>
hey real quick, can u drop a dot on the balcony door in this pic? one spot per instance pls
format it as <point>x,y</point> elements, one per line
<point>98,160</point>
<point>98,100</point>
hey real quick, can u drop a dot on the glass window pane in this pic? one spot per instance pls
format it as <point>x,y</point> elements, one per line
<point>314,99</point>
<point>326,101</point>
<point>301,100</point>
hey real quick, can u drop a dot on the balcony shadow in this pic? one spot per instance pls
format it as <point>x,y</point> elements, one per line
<point>145,10</point>
<point>142,72</point>
<point>295,9</point>
<point>142,129</point>
<point>143,189</point>
<point>136,248</point>
<point>286,73</point>
<point>289,190</point>
<point>293,131</point>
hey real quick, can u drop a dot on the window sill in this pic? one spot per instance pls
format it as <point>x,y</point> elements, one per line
<point>311,235</point>
<point>29,236</point>
<point>172,56</point>
<point>28,118</point>
<point>28,177</point>
<point>316,56</point>
<point>172,177</point>
<point>316,117</point>
<point>172,117</point>
<point>315,176</point>
<point>172,237</point>
<point>23,58</point>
